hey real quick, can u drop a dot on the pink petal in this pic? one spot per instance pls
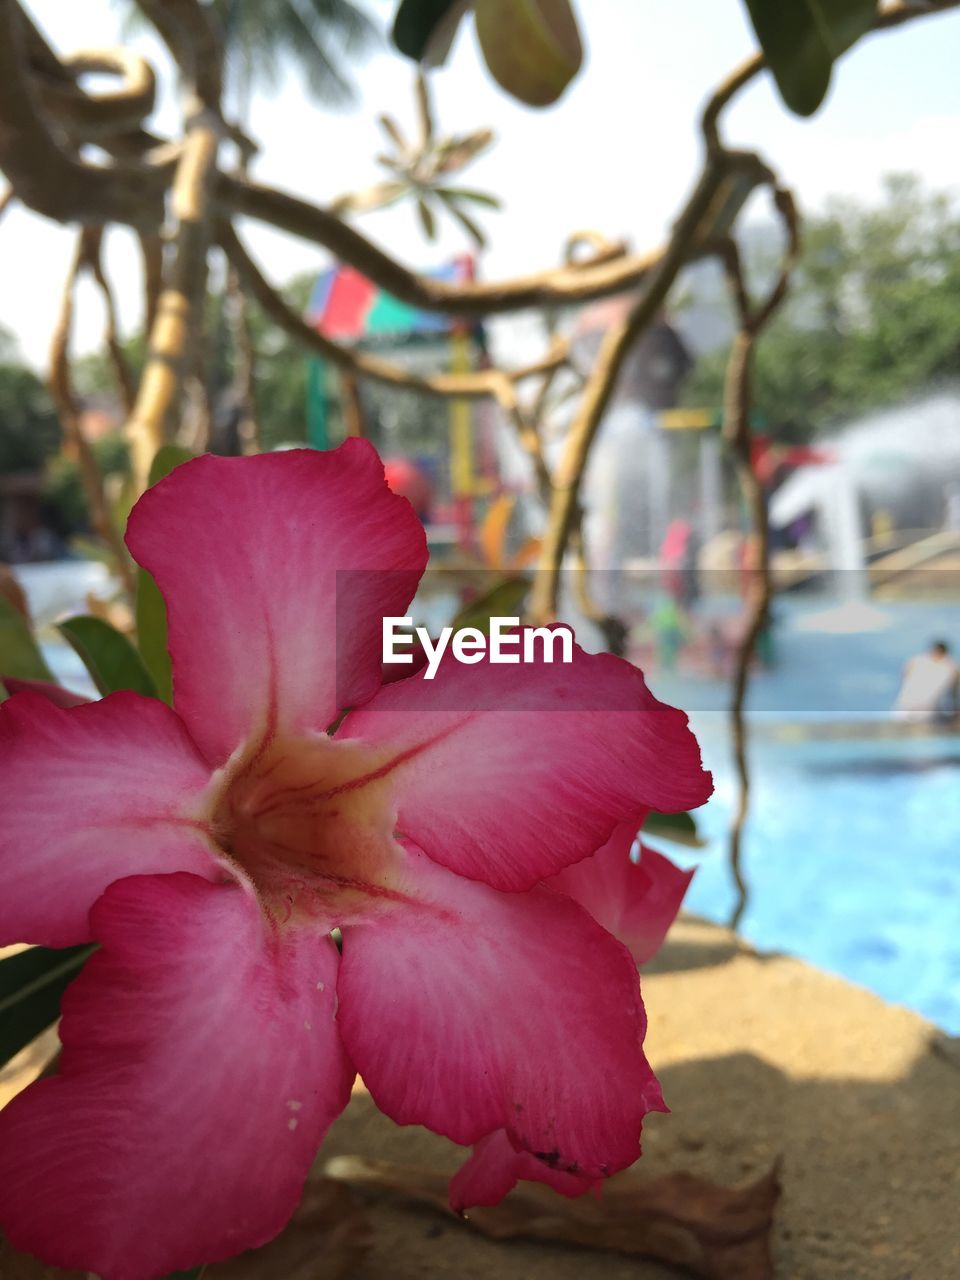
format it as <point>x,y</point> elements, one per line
<point>201,1067</point>
<point>636,902</point>
<point>494,1168</point>
<point>54,693</point>
<point>110,789</point>
<point>508,773</point>
<point>268,630</point>
<point>475,1011</point>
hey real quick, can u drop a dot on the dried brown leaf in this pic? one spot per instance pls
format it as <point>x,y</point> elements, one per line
<point>712,1232</point>
<point>22,1266</point>
<point>325,1240</point>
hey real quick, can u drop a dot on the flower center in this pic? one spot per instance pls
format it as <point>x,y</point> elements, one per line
<point>310,821</point>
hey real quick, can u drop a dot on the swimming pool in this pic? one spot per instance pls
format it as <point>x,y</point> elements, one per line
<point>852,853</point>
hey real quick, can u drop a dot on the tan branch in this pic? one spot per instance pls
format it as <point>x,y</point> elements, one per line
<point>151,252</point>
<point>189,30</point>
<point>738,399</point>
<point>691,230</point>
<point>888,18</point>
<point>245,356</point>
<point>573,282</point>
<point>601,249</point>
<point>578,281</point>
<point>44,174</point>
<point>113,111</point>
<point>179,308</point>
<point>481,383</point>
<point>111,336</point>
<point>351,405</point>
<point>526,428</point>
<point>69,411</point>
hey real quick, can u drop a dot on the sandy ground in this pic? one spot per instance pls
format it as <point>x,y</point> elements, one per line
<point>759,1057</point>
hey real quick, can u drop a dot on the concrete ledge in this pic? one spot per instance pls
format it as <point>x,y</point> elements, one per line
<point>759,1057</point>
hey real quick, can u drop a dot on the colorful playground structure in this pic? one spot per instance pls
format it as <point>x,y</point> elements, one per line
<point>450,473</point>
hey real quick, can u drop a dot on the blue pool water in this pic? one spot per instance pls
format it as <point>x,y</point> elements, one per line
<point>852,849</point>
<point>852,854</point>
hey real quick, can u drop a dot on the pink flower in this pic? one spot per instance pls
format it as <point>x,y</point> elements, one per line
<point>635,901</point>
<point>210,850</point>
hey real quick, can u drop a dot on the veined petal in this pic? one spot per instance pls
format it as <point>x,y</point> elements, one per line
<point>507,774</point>
<point>201,1067</point>
<point>263,635</point>
<point>635,901</point>
<point>109,789</point>
<point>475,1011</point>
<point>494,1168</point>
<point>54,693</point>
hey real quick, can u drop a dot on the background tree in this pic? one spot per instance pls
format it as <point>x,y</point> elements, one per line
<point>29,426</point>
<point>873,315</point>
<point>317,39</point>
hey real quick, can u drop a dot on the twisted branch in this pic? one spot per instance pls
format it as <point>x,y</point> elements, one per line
<point>739,438</point>
<point>179,307</point>
<point>44,174</point>
<point>68,409</point>
<point>190,32</point>
<point>90,117</point>
<point>52,182</point>
<point>691,236</point>
<point>580,281</point>
<point>111,336</point>
<point>477,384</point>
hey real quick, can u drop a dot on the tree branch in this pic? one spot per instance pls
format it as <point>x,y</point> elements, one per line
<point>888,18</point>
<point>114,111</point>
<point>151,253</point>
<point>68,409</point>
<point>111,337</point>
<point>574,282</point>
<point>691,234</point>
<point>738,435</point>
<point>45,176</point>
<point>180,304</point>
<point>480,383</point>
<point>190,32</point>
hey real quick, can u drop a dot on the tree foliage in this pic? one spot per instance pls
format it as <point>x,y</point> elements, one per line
<point>533,48</point>
<point>29,427</point>
<point>872,317</point>
<point>318,38</point>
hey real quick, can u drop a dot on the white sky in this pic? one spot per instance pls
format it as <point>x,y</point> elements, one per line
<point>617,153</point>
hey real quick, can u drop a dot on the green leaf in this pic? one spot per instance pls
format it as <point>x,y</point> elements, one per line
<point>165,459</point>
<point>532,47</point>
<point>424,29</point>
<point>151,610</point>
<point>20,656</point>
<point>472,229</point>
<point>152,635</point>
<point>801,39</point>
<point>470,195</point>
<point>505,600</point>
<point>31,985</point>
<point>90,549</point>
<point>427,220</point>
<point>678,827</point>
<point>108,655</point>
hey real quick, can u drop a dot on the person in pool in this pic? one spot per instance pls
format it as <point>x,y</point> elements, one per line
<point>930,686</point>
